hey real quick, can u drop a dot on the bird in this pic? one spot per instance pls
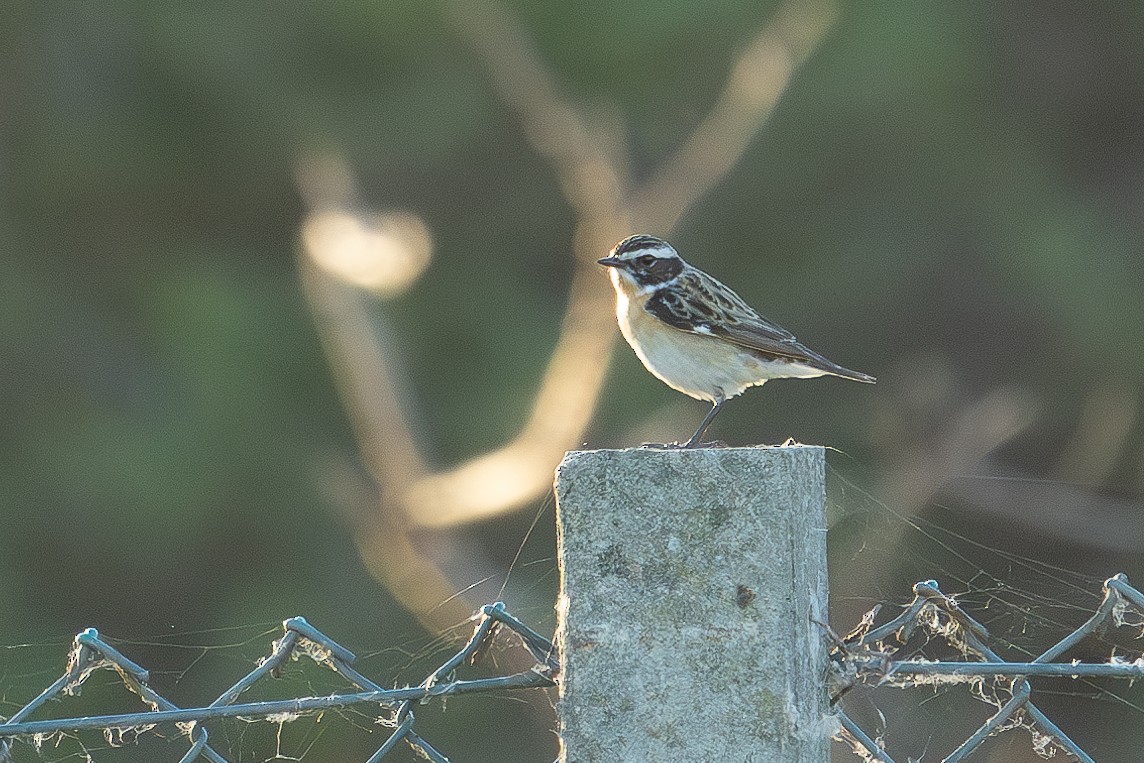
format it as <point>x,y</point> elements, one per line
<point>698,336</point>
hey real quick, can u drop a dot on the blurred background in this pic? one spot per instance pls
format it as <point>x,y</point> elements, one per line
<point>299,313</point>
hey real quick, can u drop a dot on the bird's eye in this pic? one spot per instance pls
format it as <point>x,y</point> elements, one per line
<point>646,261</point>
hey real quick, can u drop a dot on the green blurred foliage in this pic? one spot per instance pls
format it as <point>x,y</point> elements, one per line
<point>949,183</point>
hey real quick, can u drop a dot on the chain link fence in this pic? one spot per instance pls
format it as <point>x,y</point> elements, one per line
<point>887,655</point>
<point>91,654</point>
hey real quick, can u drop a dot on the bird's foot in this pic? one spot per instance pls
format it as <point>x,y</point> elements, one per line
<point>683,445</point>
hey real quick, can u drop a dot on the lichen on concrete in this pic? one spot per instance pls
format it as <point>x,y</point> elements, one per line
<point>689,580</point>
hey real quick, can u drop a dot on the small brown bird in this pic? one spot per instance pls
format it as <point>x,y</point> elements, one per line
<point>696,335</point>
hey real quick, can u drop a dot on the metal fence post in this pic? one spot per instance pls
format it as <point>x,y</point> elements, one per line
<point>689,581</point>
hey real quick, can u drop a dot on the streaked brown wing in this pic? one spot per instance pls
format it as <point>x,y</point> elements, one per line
<point>757,336</point>
<point>699,304</point>
<point>761,338</point>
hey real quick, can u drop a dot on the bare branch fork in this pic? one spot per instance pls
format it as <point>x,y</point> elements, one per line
<point>592,179</point>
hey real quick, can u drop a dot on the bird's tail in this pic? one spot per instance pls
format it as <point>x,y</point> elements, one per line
<point>846,373</point>
<point>832,368</point>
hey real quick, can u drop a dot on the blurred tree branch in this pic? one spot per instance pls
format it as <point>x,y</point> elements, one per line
<point>756,81</point>
<point>592,180</point>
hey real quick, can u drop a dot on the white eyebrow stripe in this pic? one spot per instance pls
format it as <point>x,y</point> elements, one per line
<point>654,287</point>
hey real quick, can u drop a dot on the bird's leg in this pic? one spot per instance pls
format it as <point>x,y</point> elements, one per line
<point>696,439</point>
<point>694,442</point>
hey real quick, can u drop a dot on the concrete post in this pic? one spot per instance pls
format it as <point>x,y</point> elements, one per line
<point>689,580</point>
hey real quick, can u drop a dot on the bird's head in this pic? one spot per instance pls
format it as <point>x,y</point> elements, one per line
<point>642,263</point>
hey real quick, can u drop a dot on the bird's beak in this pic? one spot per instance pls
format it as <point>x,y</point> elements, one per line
<point>611,262</point>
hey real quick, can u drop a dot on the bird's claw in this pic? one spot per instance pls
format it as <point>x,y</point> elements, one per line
<point>683,445</point>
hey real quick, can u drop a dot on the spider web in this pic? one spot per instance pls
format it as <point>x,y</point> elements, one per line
<point>1027,601</point>
<point>1029,593</point>
<point>198,662</point>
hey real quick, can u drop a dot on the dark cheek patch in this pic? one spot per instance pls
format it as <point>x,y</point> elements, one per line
<point>665,270</point>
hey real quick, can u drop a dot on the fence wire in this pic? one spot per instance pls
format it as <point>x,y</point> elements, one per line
<point>876,656</point>
<point>91,653</point>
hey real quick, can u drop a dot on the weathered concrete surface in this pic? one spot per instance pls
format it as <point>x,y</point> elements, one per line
<point>689,580</point>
